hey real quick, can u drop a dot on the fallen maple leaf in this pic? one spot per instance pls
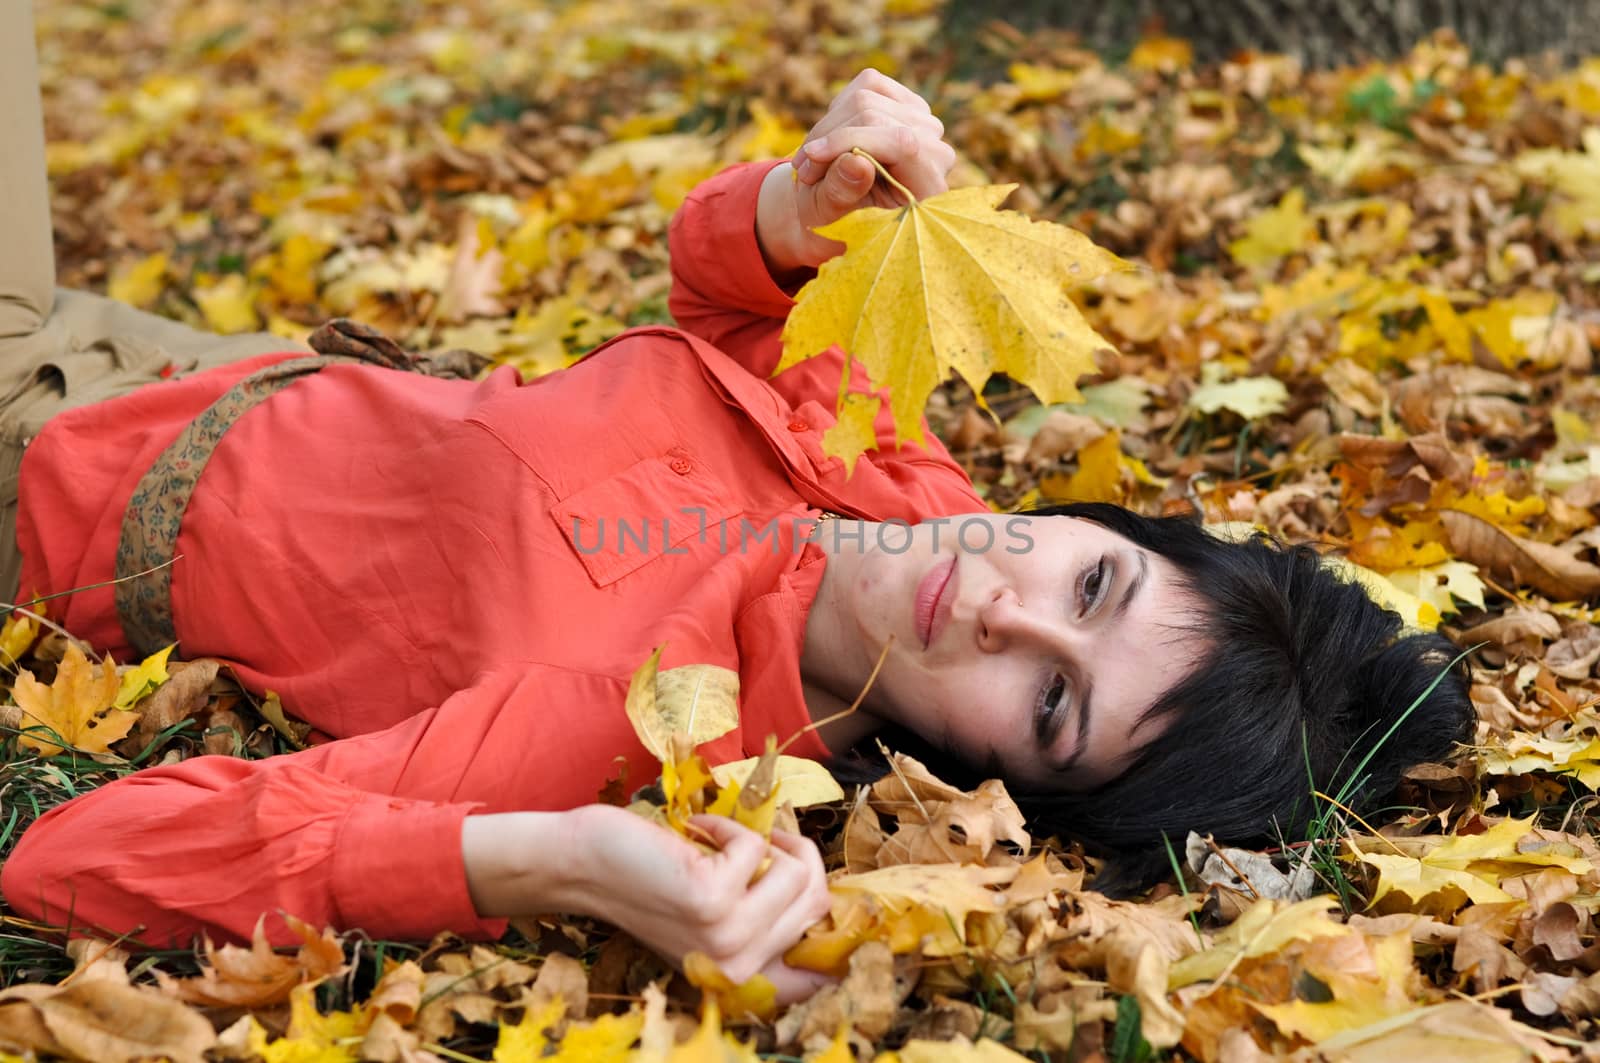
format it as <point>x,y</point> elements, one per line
<point>250,978</point>
<point>1470,868</point>
<point>950,282</point>
<point>76,708</point>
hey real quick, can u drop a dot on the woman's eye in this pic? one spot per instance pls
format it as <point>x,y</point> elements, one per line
<point>1050,713</point>
<point>1055,692</point>
<point>1093,585</point>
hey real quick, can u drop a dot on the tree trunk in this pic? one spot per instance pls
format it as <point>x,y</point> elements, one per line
<point>1320,32</point>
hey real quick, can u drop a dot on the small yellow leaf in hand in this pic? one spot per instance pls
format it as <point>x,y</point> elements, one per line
<point>143,679</point>
<point>700,701</point>
<point>757,997</point>
<point>951,282</point>
<point>803,782</point>
<point>77,706</point>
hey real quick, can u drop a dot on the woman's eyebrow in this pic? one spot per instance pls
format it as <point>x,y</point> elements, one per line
<point>1133,586</point>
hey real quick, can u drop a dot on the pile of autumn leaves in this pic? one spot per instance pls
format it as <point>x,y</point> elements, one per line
<point>938,892</point>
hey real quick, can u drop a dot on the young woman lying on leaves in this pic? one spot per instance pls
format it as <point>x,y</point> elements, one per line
<point>412,563</point>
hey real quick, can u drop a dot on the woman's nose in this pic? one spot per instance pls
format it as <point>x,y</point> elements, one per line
<point>1002,620</point>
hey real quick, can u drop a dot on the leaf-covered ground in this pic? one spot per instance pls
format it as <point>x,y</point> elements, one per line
<point>1368,319</point>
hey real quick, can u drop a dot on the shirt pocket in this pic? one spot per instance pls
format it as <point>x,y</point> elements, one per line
<point>649,510</point>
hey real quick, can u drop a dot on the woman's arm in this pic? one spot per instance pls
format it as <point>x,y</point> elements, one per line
<point>382,832</point>
<point>743,241</point>
<point>671,895</point>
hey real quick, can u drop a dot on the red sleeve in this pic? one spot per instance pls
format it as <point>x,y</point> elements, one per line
<point>723,293</point>
<point>364,832</point>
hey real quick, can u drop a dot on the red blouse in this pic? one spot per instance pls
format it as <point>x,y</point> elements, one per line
<point>456,580</point>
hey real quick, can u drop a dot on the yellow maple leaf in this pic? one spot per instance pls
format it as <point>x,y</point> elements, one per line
<point>526,1040</point>
<point>951,282</point>
<point>312,1037</point>
<point>1441,585</point>
<point>1275,232</point>
<point>1469,868</point>
<point>77,707</point>
<point>605,1040</point>
<point>853,434</point>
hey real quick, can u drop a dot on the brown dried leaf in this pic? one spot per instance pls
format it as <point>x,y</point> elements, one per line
<point>103,1021</point>
<point>183,695</point>
<point>259,976</point>
<point>1547,569</point>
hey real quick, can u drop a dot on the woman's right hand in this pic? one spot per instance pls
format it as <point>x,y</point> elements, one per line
<point>670,894</point>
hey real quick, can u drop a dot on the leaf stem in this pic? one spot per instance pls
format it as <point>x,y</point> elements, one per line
<point>854,705</point>
<point>911,200</point>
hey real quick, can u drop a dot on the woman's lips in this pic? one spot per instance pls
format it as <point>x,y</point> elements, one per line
<point>932,608</point>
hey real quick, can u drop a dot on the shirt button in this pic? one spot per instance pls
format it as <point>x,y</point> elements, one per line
<point>680,466</point>
<point>797,425</point>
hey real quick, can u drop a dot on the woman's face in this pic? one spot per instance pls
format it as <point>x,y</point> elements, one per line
<point>1029,643</point>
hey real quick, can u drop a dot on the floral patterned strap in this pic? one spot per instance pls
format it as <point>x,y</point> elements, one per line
<point>155,511</point>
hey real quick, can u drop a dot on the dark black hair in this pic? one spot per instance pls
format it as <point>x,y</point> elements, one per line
<point>1304,677</point>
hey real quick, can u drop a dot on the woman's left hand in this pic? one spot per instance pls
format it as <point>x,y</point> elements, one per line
<point>825,181</point>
